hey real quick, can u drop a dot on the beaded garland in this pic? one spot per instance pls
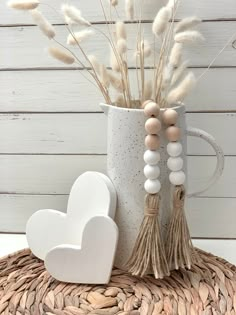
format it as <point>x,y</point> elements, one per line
<point>148,253</point>
<point>152,142</point>
<point>179,248</point>
<point>174,148</point>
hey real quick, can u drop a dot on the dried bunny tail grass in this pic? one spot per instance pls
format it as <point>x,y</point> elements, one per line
<point>116,82</point>
<point>113,61</point>
<point>180,92</point>
<point>161,21</point>
<point>167,75</point>
<point>176,54</point>
<point>129,9</point>
<point>104,75</point>
<point>145,46</point>
<point>179,72</point>
<point>23,5</point>
<point>120,101</point>
<point>121,30</point>
<point>61,55</point>
<point>147,94</point>
<point>95,63</point>
<point>113,2</point>
<point>69,21</point>
<point>44,25</point>
<point>74,14</point>
<point>187,23</point>
<point>172,3</point>
<point>121,46</point>
<point>188,37</point>
<point>78,37</point>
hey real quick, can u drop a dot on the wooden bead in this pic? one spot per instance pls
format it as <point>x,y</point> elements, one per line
<point>170,117</point>
<point>177,178</point>
<point>152,109</point>
<point>175,163</point>
<point>152,142</point>
<point>151,157</point>
<point>145,103</point>
<point>152,171</point>
<point>152,186</point>
<point>153,125</point>
<point>174,149</point>
<point>173,133</point>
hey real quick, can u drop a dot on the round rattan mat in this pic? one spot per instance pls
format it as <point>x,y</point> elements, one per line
<point>27,288</point>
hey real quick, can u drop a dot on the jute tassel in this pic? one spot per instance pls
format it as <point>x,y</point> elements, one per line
<point>179,248</point>
<point>148,253</point>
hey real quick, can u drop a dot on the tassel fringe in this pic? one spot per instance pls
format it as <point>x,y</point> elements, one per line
<point>148,253</point>
<point>179,248</point>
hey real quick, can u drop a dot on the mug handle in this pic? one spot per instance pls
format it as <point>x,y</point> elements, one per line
<point>195,132</point>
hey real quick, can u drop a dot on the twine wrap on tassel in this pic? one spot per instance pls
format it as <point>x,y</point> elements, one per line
<point>179,248</point>
<point>148,253</point>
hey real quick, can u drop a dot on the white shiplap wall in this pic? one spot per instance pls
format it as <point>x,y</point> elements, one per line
<point>52,130</point>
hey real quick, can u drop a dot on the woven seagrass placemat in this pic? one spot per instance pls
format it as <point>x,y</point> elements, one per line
<point>27,288</point>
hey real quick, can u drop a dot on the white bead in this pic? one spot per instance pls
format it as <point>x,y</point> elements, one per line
<point>175,164</point>
<point>152,186</point>
<point>177,178</point>
<point>152,171</point>
<point>151,157</point>
<point>174,148</point>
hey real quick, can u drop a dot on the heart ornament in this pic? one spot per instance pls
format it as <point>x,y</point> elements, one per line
<point>78,246</point>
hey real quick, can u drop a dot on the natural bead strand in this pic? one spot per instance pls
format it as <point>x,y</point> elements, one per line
<point>174,148</point>
<point>152,142</point>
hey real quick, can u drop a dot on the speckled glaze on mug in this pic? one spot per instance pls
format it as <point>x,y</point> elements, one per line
<point>125,164</point>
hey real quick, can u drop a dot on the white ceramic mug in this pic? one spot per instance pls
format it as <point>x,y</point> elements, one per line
<point>125,149</point>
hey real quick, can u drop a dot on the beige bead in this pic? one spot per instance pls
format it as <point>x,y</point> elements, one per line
<point>153,126</point>
<point>170,117</point>
<point>145,103</point>
<point>173,133</point>
<point>152,109</point>
<point>152,142</point>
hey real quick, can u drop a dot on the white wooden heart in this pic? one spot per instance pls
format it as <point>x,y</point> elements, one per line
<point>92,195</point>
<point>92,261</point>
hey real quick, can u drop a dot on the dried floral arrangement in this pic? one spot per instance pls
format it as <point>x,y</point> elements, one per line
<point>171,81</point>
<point>162,80</point>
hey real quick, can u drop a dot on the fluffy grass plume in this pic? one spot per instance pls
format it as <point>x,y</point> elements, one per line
<point>172,3</point>
<point>44,25</point>
<point>161,21</point>
<point>181,91</point>
<point>113,61</point>
<point>120,100</point>
<point>74,14</point>
<point>188,37</point>
<point>179,72</point>
<point>121,46</point>
<point>23,5</point>
<point>176,54</point>
<point>146,47</point>
<point>167,75</point>
<point>121,30</point>
<point>129,9</point>
<point>95,63</point>
<point>116,82</point>
<point>113,2</point>
<point>78,37</point>
<point>104,75</point>
<point>187,24</point>
<point>61,55</point>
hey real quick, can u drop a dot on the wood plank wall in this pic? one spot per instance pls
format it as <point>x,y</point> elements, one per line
<point>46,109</point>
